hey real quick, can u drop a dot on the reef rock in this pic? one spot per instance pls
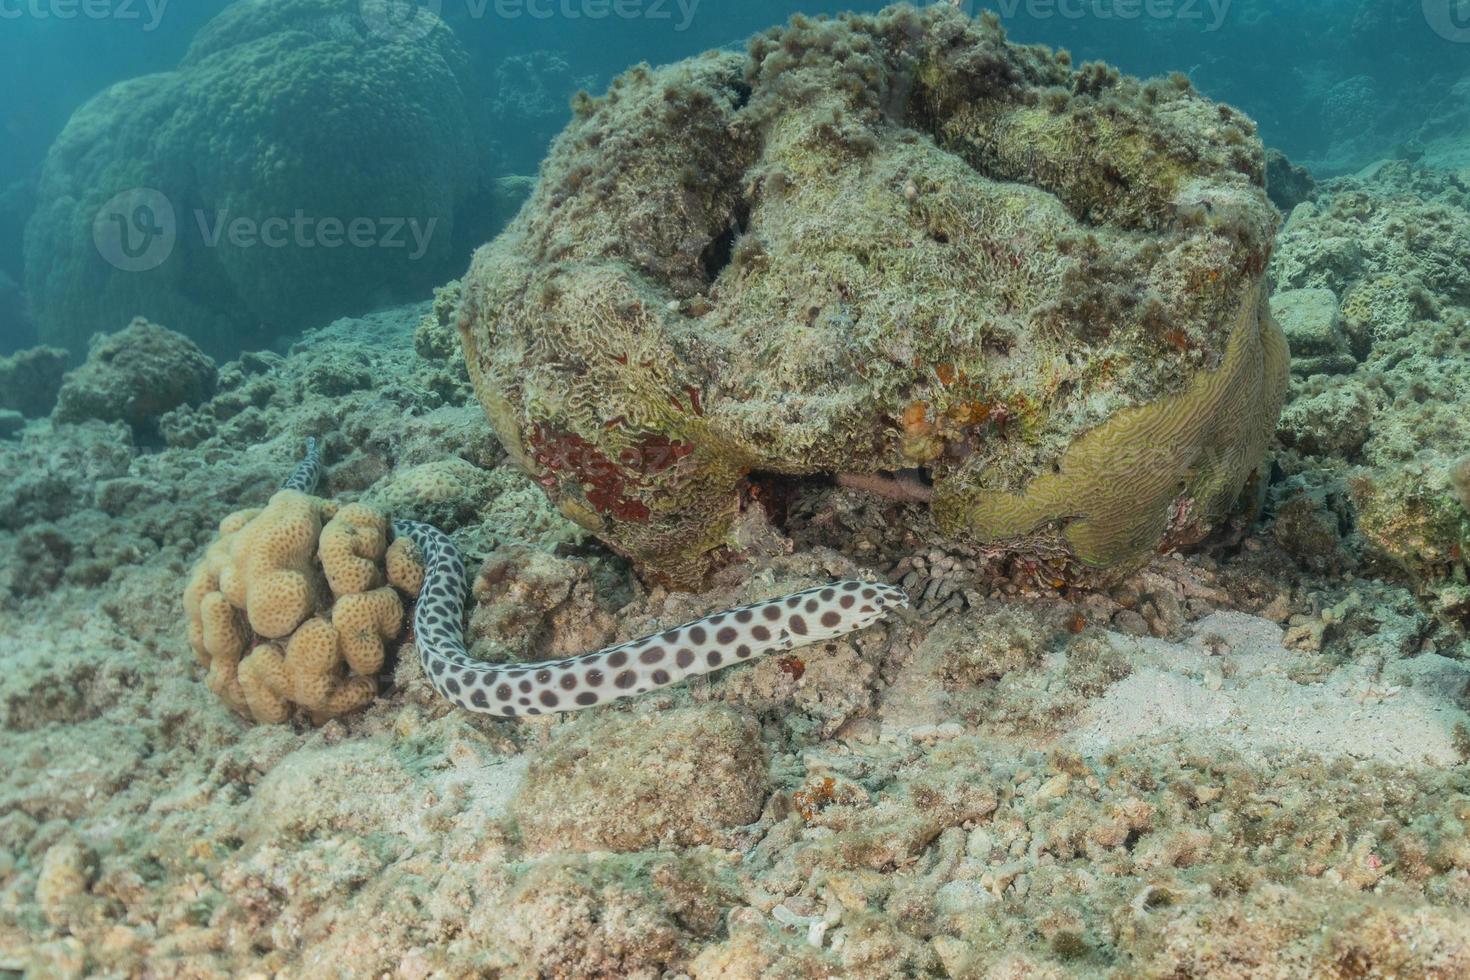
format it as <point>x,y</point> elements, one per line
<point>224,195</point>
<point>600,786</point>
<point>136,375</point>
<point>1388,245</point>
<point>884,243</point>
<point>1394,246</point>
<point>1309,318</point>
<point>31,379</point>
<point>447,493</point>
<point>1287,183</point>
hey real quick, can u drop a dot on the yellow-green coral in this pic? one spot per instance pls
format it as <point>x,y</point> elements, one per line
<point>1116,487</point>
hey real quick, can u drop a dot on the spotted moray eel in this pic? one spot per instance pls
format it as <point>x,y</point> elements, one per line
<point>307,472</point>
<point>813,615</point>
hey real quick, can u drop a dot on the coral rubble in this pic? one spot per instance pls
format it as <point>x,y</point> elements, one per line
<point>1387,256</point>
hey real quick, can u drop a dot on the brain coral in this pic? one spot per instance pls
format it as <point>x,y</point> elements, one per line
<point>877,244</point>
<point>289,117</point>
<point>293,605</point>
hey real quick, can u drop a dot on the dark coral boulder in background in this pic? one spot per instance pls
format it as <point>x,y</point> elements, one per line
<point>273,181</point>
<point>888,243</point>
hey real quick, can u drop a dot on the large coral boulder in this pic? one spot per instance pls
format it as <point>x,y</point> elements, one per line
<point>297,166</point>
<point>878,244</point>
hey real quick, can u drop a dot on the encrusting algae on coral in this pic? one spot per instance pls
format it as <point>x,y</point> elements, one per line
<point>873,244</point>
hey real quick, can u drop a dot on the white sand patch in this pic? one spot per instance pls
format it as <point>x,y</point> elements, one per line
<point>1229,681</point>
<point>490,782</point>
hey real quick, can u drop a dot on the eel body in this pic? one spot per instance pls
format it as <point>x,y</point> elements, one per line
<point>627,669</point>
<point>307,472</point>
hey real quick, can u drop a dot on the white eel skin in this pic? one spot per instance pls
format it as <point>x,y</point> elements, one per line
<point>628,669</point>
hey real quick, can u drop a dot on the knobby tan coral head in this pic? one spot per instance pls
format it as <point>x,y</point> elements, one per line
<point>293,606</point>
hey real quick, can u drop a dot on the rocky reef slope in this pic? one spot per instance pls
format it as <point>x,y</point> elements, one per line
<point>1373,287</point>
<point>1013,781</point>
